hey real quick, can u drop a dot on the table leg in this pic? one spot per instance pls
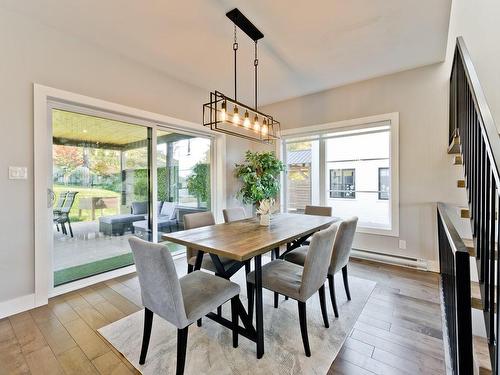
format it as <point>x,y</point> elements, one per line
<point>199,259</point>
<point>259,314</point>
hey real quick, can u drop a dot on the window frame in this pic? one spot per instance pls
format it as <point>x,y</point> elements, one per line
<point>317,131</point>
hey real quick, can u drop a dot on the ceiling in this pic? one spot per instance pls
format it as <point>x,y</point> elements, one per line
<point>308,46</point>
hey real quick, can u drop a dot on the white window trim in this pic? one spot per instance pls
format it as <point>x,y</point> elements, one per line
<point>43,96</point>
<point>353,124</point>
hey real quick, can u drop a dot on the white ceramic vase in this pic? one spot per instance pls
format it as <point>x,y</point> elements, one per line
<point>265,220</point>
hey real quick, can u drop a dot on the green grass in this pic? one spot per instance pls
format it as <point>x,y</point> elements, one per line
<point>86,192</point>
<point>94,268</point>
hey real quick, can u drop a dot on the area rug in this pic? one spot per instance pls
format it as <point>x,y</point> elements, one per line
<point>210,348</point>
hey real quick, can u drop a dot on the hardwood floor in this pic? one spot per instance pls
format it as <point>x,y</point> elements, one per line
<point>398,332</point>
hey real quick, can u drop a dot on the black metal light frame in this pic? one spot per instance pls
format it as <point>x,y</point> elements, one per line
<point>212,111</point>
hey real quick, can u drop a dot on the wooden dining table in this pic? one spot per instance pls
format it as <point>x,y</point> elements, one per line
<point>244,240</point>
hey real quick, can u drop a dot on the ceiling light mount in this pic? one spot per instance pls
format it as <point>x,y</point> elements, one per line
<point>216,112</point>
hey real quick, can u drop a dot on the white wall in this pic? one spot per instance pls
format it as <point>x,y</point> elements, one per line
<point>478,23</point>
<point>34,53</point>
<point>425,172</point>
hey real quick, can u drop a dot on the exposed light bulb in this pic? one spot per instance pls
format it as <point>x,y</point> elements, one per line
<point>246,121</point>
<point>264,127</point>
<point>256,125</point>
<point>223,112</point>
<point>236,116</point>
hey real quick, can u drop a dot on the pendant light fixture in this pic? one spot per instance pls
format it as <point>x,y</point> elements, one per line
<point>226,115</point>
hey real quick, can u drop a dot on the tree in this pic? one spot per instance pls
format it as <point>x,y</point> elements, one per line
<point>198,183</point>
<point>67,158</point>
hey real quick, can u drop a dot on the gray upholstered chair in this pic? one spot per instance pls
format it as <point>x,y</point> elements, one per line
<point>197,220</point>
<point>318,210</point>
<point>300,283</point>
<point>178,301</point>
<point>340,257</point>
<point>234,214</point>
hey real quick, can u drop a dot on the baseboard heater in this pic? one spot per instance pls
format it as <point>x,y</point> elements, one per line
<point>390,259</point>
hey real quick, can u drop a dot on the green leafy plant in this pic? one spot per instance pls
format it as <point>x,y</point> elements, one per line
<point>260,176</point>
<point>198,183</point>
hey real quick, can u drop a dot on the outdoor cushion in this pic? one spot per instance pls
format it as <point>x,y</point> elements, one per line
<point>139,208</point>
<point>123,218</point>
<point>162,223</point>
<point>202,292</point>
<point>209,265</point>
<point>169,210</point>
<point>282,277</point>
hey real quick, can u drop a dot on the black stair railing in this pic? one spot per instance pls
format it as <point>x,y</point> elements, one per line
<point>456,289</point>
<point>472,122</point>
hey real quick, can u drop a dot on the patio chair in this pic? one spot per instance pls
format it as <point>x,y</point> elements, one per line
<point>63,216</point>
<point>58,206</point>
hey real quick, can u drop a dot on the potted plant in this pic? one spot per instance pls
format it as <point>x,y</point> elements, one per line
<point>259,175</point>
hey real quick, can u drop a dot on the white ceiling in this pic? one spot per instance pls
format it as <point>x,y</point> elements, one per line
<point>308,46</point>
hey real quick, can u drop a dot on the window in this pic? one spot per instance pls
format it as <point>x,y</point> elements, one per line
<point>384,183</point>
<point>342,183</point>
<point>350,166</point>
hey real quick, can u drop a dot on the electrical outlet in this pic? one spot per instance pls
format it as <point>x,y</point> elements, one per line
<point>402,244</point>
<point>18,173</point>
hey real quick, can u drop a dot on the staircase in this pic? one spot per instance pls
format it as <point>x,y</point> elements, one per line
<point>469,268</point>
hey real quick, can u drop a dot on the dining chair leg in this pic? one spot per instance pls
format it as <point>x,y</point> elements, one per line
<point>276,298</point>
<point>286,298</point>
<point>199,322</point>
<point>148,323</point>
<point>332,295</point>
<point>303,327</point>
<point>259,313</point>
<point>235,320</point>
<point>251,299</point>
<point>322,302</point>
<point>219,310</point>
<point>190,268</point>
<point>346,282</point>
<point>71,229</point>
<point>182,336</point>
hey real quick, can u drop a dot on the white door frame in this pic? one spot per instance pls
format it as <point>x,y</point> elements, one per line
<point>44,95</point>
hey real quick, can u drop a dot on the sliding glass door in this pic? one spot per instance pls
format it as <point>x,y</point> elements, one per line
<point>104,186</point>
<point>101,192</point>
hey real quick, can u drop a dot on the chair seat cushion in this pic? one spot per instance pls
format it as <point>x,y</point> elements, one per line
<point>203,292</point>
<point>209,265</point>
<point>298,255</point>
<point>282,277</point>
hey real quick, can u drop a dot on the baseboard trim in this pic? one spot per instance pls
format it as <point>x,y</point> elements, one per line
<point>415,263</point>
<point>17,305</point>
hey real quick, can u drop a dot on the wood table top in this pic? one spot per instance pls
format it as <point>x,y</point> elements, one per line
<point>244,239</point>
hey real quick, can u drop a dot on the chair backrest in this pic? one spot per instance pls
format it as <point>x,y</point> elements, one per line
<point>317,261</point>
<point>196,220</point>
<point>169,209</point>
<point>160,287</point>
<point>343,244</point>
<point>234,214</point>
<point>68,203</point>
<point>60,200</point>
<point>318,210</point>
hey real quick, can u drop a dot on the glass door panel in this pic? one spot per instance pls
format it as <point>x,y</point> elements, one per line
<point>183,180</point>
<point>302,176</point>
<point>102,191</point>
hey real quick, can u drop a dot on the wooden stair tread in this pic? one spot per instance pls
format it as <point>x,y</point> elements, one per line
<point>457,159</point>
<point>469,244</point>
<point>461,184</point>
<point>454,147</point>
<point>464,213</point>
<point>475,295</point>
<point>482,355</point>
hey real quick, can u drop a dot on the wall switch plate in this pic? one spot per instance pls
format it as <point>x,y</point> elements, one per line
<point>18,173</point>
<point>402,244</point>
